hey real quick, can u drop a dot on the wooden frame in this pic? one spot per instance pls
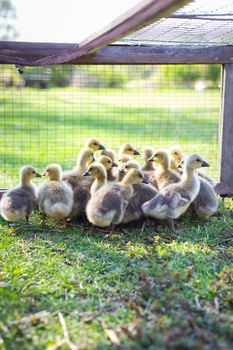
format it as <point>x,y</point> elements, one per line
<point>225,186</point>
<point>38,54</point>
<point>144,13</point>
<point>28,53</point>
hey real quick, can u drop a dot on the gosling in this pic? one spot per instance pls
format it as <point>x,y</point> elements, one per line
<point>55,197</point>
<point>107,206</point>
<point>127,149</point>
<point>143,192</point>
<point>109,165</point>
<point>176,155</point>
<point>148,168</point>
<point>175,198</point>
<point>163,176</point>
<point>98,171</point>
<point>94,144</point>
<point>20,202</point>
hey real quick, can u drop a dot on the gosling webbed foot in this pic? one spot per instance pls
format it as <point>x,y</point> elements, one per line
<point>172,227</point>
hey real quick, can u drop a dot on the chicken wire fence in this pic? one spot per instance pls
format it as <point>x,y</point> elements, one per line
<point>48,112</point>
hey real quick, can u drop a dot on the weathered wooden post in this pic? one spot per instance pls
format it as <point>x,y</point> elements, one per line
<point>225,185</point>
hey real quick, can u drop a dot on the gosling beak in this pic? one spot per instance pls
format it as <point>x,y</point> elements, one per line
<point>144,182</point>
<point>179,166</point>
<point>101,147</point>
<point>204,164</point>
<point>38,175</point>
<point>93,160</point>
<point>151,159</point>
<point>86,173</point>
<point>114,164</point>
<point>136,153</point>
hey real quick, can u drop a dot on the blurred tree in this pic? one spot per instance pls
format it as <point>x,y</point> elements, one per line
<point>7,12</point>
<point>187,75</point>
<point>61,75</point>
<point>213,73</point>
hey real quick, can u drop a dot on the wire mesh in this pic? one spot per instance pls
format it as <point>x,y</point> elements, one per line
<point>48,113</point>
<point>199,23</point>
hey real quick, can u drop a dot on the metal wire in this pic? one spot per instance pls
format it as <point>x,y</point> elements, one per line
<point>186,27</point>
<point>48,119</point>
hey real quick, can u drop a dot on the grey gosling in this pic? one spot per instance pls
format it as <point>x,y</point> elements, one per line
<point>55,197</point>
<point>148,166</point>
<point>176,155</point>
<point>143,192</point>
<point>20,201</point>
<point>120,171</point>
<point>128,149</point>
<point>205,204</point>
<point>94,144</point>
<point>106,208</point>
<point>163,176</point>
<point>109,153</point>
<point>109,165</point>
<point>174,199</point>
<point>98,171</point>
<point>80,185</point>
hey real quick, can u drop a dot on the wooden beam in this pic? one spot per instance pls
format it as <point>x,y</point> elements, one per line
<point>224,189</point>
<point>206,17</point>
<point>226,130</point>
<point>26,53</point>
<point>164,54</point>
<point>144,13</point>
<point>29,53</point>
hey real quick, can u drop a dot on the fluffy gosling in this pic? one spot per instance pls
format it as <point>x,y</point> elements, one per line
<point>55,197</point>
<point>20,201</point>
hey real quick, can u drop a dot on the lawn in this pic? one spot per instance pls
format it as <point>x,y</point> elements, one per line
<point>140,288</point>
<point>43,126</point>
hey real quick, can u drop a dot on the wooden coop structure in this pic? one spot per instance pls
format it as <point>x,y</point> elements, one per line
<point>154,32</point>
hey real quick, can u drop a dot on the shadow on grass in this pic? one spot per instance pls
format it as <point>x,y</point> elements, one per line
<point>142,286</point>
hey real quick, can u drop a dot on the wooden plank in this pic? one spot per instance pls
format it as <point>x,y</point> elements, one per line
<point>26,53</point>
<point>137,17</point>
<point>164,54</point>
<point>207,17</point>
<point>224,189</point>
<point>29,53</point>
<point>226,129</point>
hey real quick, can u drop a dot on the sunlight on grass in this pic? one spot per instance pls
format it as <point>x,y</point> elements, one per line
<point>144,284</point>
<point>43,126</point>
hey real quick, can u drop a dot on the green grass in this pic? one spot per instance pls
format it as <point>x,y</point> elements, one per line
<point>153,289</point>
<point>43,126</point>
<point>147,287</point>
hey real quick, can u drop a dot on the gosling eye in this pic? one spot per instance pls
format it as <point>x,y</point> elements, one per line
<point>126,167</point>
<point>175,153</point>
<point>129,149</point>
<point>95,143</point>
<point>198,160</point>
<point>109,161</point>
<point>33,172</point>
